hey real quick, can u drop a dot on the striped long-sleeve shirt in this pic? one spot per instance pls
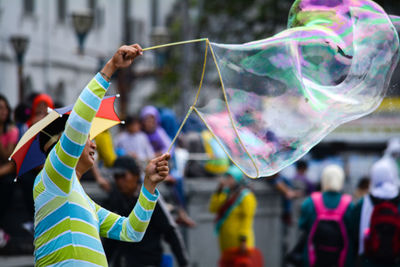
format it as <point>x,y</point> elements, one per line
<point>68,224</point>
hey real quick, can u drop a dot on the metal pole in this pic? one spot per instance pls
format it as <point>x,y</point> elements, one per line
<point>20,69</point>
<point>123,74</point>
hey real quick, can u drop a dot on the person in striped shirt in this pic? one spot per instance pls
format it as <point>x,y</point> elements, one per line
<point>68,224</point>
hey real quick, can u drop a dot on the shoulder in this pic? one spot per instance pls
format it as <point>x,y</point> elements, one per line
<point>307,204</point>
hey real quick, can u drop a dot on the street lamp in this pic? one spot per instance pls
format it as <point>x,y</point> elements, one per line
<point>82,22</point>
<point>20,44</point>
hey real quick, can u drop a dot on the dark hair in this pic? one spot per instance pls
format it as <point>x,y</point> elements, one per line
<point>132,119</point>
<point>363,183</point>
<point>127,163</point>
<point>22,113</point>
<point>8,119</point>
<point>54,128</point>
<point>301,165</point>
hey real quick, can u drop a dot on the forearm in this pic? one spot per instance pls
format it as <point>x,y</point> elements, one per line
<point>7,168</point>
<point>108,70</point>
<point>130,228</point>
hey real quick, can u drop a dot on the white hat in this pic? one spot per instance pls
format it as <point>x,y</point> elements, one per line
<point>384,184</point>
<point>332,178</point>
<point>393,146</point>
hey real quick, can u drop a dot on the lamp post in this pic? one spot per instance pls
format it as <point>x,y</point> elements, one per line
<point>82,22</point>
<point>20,44</point>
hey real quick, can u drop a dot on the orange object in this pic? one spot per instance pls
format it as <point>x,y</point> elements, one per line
<point>236,258</point>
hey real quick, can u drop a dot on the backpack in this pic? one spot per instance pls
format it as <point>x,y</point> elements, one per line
<point>382,241</point>
<point>328,241</point>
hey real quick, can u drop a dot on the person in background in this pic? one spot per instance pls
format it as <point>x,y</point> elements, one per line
<point>157,136</point>
<point>234,205</point>
<point>362,188</point>
<point>392,157</point>
<point>134,142</point>
<point>288,194</point>
<point>40,104</point>
<point>160,141</point>
<point>300,180</point>
<point>105,148</point>
<point>168,122</point>
<point>383,196</point>
<point>22,114</point>
<point>149,251</point>
<point>8,140</point>
<point>328,237</point>
<point>218,161</point>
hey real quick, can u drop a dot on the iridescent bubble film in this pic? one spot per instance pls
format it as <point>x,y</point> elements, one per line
<point>284,94</point>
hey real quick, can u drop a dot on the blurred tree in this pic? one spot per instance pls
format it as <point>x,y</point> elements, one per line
<point>225,21</point>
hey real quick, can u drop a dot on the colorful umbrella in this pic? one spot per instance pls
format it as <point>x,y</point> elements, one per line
<point>27,154</point>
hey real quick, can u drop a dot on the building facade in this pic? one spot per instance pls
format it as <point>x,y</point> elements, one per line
<point>52,62</point>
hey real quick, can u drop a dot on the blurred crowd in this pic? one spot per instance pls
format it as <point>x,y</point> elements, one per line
<point>332,228</point>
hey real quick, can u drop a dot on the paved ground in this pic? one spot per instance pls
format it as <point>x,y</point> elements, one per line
<point>16,261</point>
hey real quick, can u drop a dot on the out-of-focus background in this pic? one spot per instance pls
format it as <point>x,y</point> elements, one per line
<point>56,46</point>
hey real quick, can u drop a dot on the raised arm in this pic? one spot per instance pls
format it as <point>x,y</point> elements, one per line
<point>62,160</point>
<point>133,227</point>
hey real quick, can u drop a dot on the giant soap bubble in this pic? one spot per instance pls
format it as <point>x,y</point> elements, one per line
<point>284,94</point>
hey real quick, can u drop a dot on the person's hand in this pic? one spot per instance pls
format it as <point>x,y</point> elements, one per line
<point>156,171</point>
<point>221,184</point>
<point>133,155</point>
<point>121,59</point>
<point>242,244</point>
<point>291,194</point>
<point>125,55</point>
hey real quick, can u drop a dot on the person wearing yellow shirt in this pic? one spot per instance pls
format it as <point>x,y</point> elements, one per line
<point>234,205</point>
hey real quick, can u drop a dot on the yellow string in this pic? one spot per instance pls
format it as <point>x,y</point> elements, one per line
<point>202,73</point>
<point>176,43</point>
<point>180,128</point>
<point>192,107</point>
<point>231,119</point>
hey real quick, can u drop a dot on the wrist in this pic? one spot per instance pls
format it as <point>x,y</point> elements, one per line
<point>108,70</point>
<point>149,185</point>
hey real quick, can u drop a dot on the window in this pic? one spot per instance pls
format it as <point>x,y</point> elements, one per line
<point>29,6</point>
<point>62,10</point>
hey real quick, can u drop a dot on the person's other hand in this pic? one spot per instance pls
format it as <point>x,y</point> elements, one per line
<point>156,171</point>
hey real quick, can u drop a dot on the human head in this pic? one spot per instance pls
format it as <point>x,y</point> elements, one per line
<point>40,104</point>
<point>301,166</point>
<point>384,184</point>
<point>364,183</point>
<point>234,177</point>
<point>22,113</point>
<point>126,175</point>
<point>133,124</point>
<point>5,111</point>
<point>393,148</point>
<point>332,178</point>
<point>86,160</point>
<point>150,119</point>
